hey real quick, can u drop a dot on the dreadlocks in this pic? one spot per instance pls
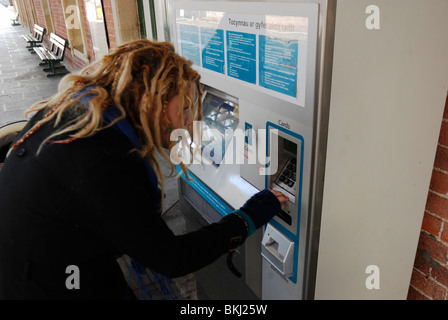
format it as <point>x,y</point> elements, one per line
<point>139,78</point>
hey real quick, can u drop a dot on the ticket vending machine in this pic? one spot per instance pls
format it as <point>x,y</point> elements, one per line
<point>261,68</point>
<point>303,97</point>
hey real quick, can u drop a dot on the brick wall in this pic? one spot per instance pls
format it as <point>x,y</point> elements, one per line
<point>30,15</point>
<point>58,18</point>
<point>430,274</point>
<point>40,16</point>
<point>58,15</point>
<point>39,10</point>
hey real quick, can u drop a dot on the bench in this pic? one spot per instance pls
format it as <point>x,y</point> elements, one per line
<point>53,56</point>
<point>15,20</point>
<point>36,39</point>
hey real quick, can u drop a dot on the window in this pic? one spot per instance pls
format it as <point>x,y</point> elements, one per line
<point>94,11</point>
<point>31,15</point>
<point>75,29</point>
<point>127,20</point>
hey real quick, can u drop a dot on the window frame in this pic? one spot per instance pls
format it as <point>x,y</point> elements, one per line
<point>49,30</point>
<point>75,52</point>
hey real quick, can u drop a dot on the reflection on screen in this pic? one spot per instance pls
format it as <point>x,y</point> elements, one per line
<point>221,118</point>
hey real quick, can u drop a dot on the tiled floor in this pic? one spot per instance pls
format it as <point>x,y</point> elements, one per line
<point>22,81</point>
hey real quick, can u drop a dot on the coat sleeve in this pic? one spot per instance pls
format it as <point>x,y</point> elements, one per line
<point>114,200</point>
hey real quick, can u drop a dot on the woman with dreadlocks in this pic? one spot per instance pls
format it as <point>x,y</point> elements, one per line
<point>81,184</point>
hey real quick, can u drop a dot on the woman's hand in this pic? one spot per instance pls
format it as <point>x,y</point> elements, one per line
<point>263,206</point>
<point>281,197</point>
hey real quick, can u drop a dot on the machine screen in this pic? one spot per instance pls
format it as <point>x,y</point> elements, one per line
<point>220,119</point>
<point>290,146</point>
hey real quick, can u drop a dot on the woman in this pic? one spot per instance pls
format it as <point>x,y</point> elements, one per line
<point>78,187</point>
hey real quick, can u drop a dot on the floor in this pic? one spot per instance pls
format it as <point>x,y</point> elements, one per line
<point>23,83</point>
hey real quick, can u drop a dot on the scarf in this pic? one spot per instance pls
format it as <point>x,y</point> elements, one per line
<point>125,128</point>
<point>111,113</point>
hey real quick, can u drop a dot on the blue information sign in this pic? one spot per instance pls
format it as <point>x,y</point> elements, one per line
<point>278,64</point>
<point>212,49</point>
<point>190,43</point>
<point>242,56</point>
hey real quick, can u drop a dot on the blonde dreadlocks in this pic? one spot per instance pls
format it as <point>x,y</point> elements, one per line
<point>139,78</point>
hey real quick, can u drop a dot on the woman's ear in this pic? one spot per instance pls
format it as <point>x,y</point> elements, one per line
<point>143,98</point>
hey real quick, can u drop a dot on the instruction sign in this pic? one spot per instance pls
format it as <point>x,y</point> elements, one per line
<point>190,42</point>
<point>278,64</point>
<point>212,44</point>
<point>267,52</point>
<point>241,56</point>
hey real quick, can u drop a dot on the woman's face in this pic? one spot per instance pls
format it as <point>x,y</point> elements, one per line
<point>172,112</point>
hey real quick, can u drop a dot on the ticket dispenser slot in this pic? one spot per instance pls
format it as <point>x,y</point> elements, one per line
<point>278,250</point>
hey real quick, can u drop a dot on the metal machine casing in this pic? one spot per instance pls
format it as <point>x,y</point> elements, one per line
<point>362,170</point>
<point>263,106</point>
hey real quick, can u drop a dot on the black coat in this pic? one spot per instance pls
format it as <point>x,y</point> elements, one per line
<point>84,204</point>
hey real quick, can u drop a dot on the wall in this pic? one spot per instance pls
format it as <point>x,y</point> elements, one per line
<point>121,18</point>
<point>430,274</point>
<point>110,23</point>
<point>389,90</point>
<point>60,28</point>
<point>125,14</point>
<point>39,11</point>
<point>30,15</point>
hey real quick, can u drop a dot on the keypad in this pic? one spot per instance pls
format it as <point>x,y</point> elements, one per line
<point>288,176</point>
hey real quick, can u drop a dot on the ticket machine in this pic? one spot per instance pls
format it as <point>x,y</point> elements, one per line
<point>267,70</point>
<point>260,66</point>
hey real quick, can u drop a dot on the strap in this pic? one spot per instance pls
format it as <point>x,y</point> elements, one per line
<point>249,222</point>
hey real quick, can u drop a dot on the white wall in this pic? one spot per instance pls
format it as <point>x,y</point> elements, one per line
<point>388,92</point>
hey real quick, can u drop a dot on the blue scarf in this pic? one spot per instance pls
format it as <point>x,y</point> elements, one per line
<point>124,127</point>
